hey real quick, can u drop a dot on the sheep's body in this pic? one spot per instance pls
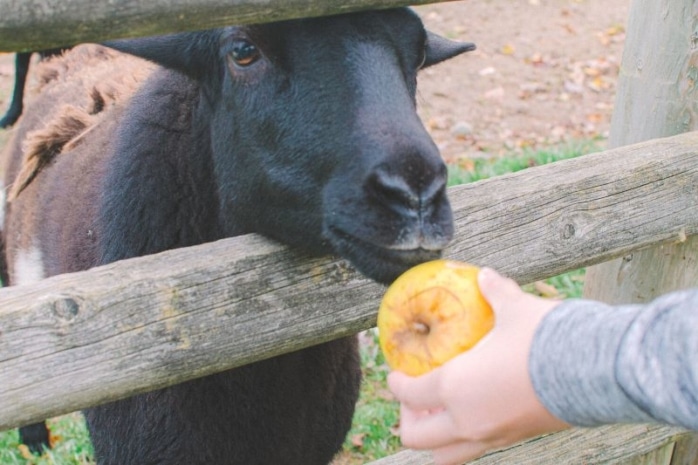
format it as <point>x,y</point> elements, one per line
<point>318,147</point>
<point>22,61</point>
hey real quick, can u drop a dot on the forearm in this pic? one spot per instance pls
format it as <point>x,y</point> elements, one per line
<point>594,364</point>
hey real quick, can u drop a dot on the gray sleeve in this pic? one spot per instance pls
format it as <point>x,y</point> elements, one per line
<point>594,364</point>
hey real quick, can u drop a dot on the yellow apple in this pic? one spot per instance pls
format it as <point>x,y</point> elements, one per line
<point>430,314</point>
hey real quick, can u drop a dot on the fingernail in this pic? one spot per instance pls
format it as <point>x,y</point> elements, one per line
<point>486,274</point>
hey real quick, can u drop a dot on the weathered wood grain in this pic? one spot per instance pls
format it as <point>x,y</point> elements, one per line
<point>557,217</point>
<point>685,451</point>
<point>606,444</point>
<point>406,457</point>
<point>77,340</point>
<point>656,98</point>
<point>42,24</point>
<point>96,336</point>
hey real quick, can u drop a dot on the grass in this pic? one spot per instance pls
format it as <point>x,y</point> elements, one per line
<point>69,437</point>
<point>374,431</point>
<point>470,170</point>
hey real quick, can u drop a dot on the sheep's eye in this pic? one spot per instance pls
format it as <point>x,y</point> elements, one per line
<point>244,53</point>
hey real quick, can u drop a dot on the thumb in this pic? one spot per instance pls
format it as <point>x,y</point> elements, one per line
<point>497,289</point>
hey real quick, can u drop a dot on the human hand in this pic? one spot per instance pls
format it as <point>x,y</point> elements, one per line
<point>482,399</point>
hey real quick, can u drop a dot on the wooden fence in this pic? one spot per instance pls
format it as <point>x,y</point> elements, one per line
<point>42,24</point>
<point>77,340</point>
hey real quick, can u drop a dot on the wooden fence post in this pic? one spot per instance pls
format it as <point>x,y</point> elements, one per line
<point>657,97</point>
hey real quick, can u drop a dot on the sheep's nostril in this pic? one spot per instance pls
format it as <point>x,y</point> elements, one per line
<point>393,190</point>
<point>416,192</point>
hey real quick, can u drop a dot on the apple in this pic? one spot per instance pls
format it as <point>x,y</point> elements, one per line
<point>431,313</point>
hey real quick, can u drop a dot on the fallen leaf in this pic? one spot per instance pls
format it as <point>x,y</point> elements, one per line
<point>467,164</point>
<point>546,290</point>
<point>54,439</point>
<point>495,94</point>
<point>462,130</point>
<point>357,440</point>
<point>612,34</point>
<point>438,123</point>
<point>536,59</point>
<point>508,49</point>
<point>558,132</point>
<point>592,71</point>
<point>523,144</point>
<point>603,38</point>
<point>25,452</point>
<point>595,117</point>
<point>615,30</point>
<point>597,84</point>
<point>570,29</point>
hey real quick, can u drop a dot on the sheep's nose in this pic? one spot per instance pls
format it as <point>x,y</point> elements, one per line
<point>418,195</point>
<point>408,196</point>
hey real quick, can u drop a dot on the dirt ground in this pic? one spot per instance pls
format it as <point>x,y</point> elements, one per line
<point>544,72</point>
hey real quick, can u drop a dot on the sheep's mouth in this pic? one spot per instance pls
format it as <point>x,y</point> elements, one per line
<point>378,262</point>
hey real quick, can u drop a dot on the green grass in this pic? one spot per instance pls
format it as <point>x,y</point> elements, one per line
<point>71,445</point>
<point>373,434</point>
<point>470,170</point>
<point>374,431</point>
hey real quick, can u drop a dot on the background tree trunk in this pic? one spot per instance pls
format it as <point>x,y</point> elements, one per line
<point>657,97</point>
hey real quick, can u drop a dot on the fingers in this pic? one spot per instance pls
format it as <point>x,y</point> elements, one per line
<point>436,432</point>
<point>424,429</point>
<point>424,422</point>
<point>417,393</point>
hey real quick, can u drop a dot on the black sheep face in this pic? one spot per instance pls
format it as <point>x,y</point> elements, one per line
<point>314,133</point>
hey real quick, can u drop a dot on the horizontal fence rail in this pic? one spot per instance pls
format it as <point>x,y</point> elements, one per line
<point>81,339</point>
<point>603,445</point>
<point>27,25</point>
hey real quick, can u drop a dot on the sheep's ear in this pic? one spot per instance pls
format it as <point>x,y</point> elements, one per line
<point>440,49</point>
<point>191,53</point>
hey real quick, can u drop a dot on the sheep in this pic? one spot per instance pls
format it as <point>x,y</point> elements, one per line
<point>22,60</point>
<point>305,131</point>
